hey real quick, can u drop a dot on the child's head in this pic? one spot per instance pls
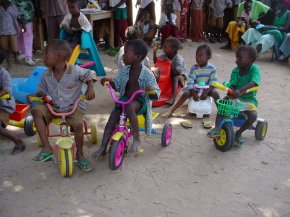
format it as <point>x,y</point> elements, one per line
<point>57,51</point>
<point>248,6</point>
<point>74,7</point>
<point>5,3</point>
<point>146,17</point>
<point>171,46</point>
<point>133,32</point>
<point>203,54</point>
<point>3,55</point>
<point>245,56</point>
<point>134,51</point>
<point>168,9</point>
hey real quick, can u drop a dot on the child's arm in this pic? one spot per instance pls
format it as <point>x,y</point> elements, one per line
<point>90,93</point>
<point>152,88</point>
<point>237,93</point>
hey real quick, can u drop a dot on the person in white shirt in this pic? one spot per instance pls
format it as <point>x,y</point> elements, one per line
<point>145,5</point>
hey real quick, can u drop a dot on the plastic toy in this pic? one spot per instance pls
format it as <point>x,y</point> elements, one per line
<point>201,107</point>
<point>230,109</point>
<point>64,149</point>
<point>120,137</point>
<point>20,119</point>
<point>164,82</point>
<point>87,50</point>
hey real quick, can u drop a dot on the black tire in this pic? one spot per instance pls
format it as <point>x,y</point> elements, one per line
<point>165,138</point>
<point>117,153</point>
<point>227,138</point>
<point>261,130</point>
<point>29,128</point>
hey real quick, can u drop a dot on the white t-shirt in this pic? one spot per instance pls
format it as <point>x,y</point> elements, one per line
<point>144,3</point>
<point>83,21</point>
<point>176,5</point>
<point>164,19</point>
<point>113,3</point>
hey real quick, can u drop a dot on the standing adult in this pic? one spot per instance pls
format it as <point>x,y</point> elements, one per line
<point>145,5</point>
<point>53,13</point>
<point>25,36</point>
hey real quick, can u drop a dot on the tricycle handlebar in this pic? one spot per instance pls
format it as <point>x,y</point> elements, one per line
<point>5,96</point>
<point>230,91</point>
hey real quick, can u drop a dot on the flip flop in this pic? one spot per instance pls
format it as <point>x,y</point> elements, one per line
<point>43,157</point>
<point>206,123</point>
<point>85,165</point>
<point>186,124</point>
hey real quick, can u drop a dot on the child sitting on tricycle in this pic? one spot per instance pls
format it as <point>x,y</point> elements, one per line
<point>132,77</point>
<point>63,83</point>
<point>7,106</point>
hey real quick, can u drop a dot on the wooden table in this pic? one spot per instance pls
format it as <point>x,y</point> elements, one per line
<point>93,16</point>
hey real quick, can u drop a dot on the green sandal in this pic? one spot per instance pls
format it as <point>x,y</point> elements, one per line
<point>213,134</point>
<point>85,165</point>
<point>43,157</point>
<point>239,140</point>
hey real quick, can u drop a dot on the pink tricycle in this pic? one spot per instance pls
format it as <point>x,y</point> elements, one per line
<point>120,137</point>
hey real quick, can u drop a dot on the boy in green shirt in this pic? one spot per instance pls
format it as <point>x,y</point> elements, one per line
<point>245,76</point>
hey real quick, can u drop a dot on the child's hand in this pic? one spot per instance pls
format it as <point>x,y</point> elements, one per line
<point>236,93</point>
<point>154,47</point>
<point>203,96</point>
<point>29,97</point>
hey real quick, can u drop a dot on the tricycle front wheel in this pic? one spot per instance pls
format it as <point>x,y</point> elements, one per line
<point>117,153</point>
<point>65,162</point>
<point>226,139</point>
<point>166,135</point>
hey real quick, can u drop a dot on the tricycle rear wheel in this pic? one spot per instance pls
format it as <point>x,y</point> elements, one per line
<point>226,139</point>
<point>261,130</point>
<point>166,135</point>
<point>29,128</point>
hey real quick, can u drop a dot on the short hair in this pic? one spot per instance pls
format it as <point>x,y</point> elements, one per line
<point>133,32</point>
<point>173,42</point>
<point>206,48</point>
<point>62,46</point>
<point>3,55</point>
<point>251,51</point>
<point>248,3</point>
<point>139,47</point>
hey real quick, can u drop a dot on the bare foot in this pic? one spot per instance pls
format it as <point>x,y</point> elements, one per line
<point>170,101</point>
<point>18,148</point>
<point>167,115</point>
<point>100,152</point>
<point>135,146</point>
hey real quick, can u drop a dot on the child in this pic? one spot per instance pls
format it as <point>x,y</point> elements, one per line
<point>9,28</point>
<point>178,67</point>
<point>245,76</point>
<point>132,77</point>
<point>63,82</point>
<point>74,23</point>
<point>7,106</point>
<point>167,23</point>
<point>196,24</point>
<point>148,28</point>
<point>202,71</point>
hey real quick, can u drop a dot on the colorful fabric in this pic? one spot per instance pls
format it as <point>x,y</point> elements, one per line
<point>168,30</point>
<point>206,74</point>
<point>145,79</point>
<point>8,20</point>
<point>120,27</point>
<point>196,4</point>
<point>5,84</point>
<point>120,14</point>
<point>257,9</point>
<point>183,19</point>
<point>25,41</point>
<point>234,31</point>
<point>239,81</point>
<point>26,9</point>
<point>113,3</point>
<point>196,25</point>
<point>66,91</point>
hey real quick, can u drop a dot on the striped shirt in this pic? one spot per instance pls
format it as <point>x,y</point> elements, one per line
<point>206,74</point>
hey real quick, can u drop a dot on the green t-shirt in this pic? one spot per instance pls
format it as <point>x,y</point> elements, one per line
<point>240,81</point>
<point>257,9</point>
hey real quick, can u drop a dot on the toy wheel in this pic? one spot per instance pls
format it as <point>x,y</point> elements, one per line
<point>117,154</point>
<point>166,135</point>
<point>29,128</point>
<point>227,137</point>
<point>38,141</point>
<point>94,135</point>
<point>65,162</point>
<point>261,130</point>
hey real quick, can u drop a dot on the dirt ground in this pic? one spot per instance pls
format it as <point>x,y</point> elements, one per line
<point>188,178</point>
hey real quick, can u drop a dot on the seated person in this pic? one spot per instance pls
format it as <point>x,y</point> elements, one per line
<point>257,8</point>
<point>167,24</point>
<point>285,47</point>
<point>63,82</point>
<point>245,76</point>
<point>74,23</point>
<point>132,77</point>
<point>178,67</point>
<point>202,71</point>
<point>7,106</point>
<point>148,28</point>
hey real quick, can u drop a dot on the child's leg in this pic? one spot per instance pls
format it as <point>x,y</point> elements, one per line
<point>132,110</point>
<point>252,116</point>
<point>13,46</point>
<point>183,97</point>
<point>215,95</point>
<point>109,128</point>
<point>174,83</point>
<point>4,43</point>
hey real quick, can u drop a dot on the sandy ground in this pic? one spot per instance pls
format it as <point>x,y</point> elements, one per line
<point>188,178</point>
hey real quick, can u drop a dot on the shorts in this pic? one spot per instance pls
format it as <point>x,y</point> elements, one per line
<point>142,110</point>
<point>4,118</point>
<point>76,118</point>
<point>247,106</point>
<point>9,42</point>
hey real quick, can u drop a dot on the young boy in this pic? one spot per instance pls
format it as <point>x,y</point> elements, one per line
<point>7,106</point>
<point>245,76</point>
<point>202,71</point>
<point>178,67</point>
<point>63,82</point>
<point>74,23</point>
<point>132,77</point>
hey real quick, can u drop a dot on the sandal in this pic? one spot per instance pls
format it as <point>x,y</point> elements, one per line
<point>186,124</point>
<point>43,157</point>
<point>239,140</point>
<point>206,122</point>
<point>85,165</point>
<point>213,134</point>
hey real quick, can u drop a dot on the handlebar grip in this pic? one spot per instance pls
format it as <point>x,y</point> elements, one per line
<point>219,86</point>
<point>83,97</point>
<point>253,89</point>
<point>35,99</point>
<point>106,83</point>
<point>5,96</point>
<point>151,92</point>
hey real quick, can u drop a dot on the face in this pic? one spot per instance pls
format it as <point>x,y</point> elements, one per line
<point>168,49</point>
<point>51,57</point>
<point>201,57</point>
<point>167,10</point>
<point>243,59</point>
<point>74,8</point>
<point>129,56</point>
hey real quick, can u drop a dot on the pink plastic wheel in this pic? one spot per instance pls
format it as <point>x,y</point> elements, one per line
<point>117,154</point>
<point>166,135</point>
